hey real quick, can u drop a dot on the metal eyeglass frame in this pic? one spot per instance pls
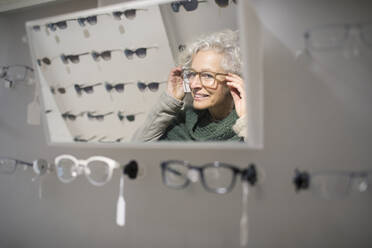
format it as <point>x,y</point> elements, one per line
<point>249,174</point>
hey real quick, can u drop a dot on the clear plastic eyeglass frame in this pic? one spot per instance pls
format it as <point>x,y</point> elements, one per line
<point>68,168</point>
<point>334,184</point>
<point>215,177</point>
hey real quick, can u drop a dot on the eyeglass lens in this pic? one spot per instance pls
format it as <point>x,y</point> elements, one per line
<point>65,169</point>
<point>333,186</point>
<point>219,179</point>
<point>175,174</point>
<point>98,171</point>
<point>7,166</point>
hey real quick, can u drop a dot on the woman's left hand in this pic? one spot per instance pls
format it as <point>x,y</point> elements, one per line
<point>237,89</point>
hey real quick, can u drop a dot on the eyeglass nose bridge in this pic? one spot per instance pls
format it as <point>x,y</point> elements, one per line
<point>193,175</point>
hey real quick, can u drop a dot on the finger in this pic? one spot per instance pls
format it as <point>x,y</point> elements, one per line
<point>234,75</point>
<point>235,94</point>
<point>238,86</point>
<point>235,78</point>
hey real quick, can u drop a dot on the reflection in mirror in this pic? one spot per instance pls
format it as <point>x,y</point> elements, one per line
<point>175,74</point>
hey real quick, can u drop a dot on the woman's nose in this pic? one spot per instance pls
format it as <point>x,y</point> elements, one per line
<point>195,82</point>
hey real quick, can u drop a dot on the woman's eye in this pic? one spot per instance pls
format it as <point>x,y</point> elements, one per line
<point>207,75</point>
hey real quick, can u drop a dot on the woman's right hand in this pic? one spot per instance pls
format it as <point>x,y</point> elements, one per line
<point>175,84</point>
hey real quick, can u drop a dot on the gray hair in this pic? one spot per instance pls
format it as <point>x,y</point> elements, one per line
<point>225,42</point>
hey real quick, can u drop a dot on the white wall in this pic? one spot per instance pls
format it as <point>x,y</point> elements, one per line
<point>306,126</point>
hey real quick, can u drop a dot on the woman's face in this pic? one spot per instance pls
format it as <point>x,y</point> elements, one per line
<point>207,97</point>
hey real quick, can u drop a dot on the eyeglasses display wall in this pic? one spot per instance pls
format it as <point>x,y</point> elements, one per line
<point>100,70</point>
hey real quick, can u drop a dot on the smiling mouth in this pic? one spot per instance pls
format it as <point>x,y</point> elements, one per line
<point>200,97</point>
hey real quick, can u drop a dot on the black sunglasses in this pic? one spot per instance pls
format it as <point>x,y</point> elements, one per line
<point>79,88</point>
<point>153,86</point>
<point>188,5</point>
<point>130,117</point>
<point>92,20</point>
<point>36,27</point>
<point>224,3</point>
<point>104,140</point>
<point>140,52</point>
<point>98,117</point>
<point>60,90</point>
<point>79,139</point>
<point>129,14</point>
<point>44,60</point>
<point>73,58</point>
<point>118,87</point>
<point>54,25</point>
<point>105,55</point>
<point>68,116</point>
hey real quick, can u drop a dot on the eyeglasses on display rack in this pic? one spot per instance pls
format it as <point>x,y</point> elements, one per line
<point>105,140</point>
<point>71,117</point>
<point>89,89</point>
<point>79,138</point>
<point>334,36</point>
<point>333,184</point>
<point>59,89</point>
<point>99,117</point>
<point>188,5</point>
<point>54,25</point>
<point>130,117</point>
<point>207,78</point>
<point>105,55</point>
<point>9,165</point>
<point>73,58</point>
<point>45,61</point>
<point>216,177</point>
<point>152,86</point>
<point>140,52</point>
<point>97,169</point>
<point>224,3</point>
<point>118,87</point>
<point>129,14</point>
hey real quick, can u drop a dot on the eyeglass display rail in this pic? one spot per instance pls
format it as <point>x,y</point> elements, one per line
<point>145,49</point>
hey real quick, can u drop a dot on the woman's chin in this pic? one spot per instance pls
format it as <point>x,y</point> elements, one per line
<point>198,104</point>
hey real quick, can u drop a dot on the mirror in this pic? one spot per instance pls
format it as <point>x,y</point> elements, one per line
<point>105,72</point>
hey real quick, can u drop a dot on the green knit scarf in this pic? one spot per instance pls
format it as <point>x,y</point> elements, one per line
<point>198,125</point>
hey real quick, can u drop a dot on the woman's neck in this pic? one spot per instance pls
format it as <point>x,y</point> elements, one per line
<point>221,111</point>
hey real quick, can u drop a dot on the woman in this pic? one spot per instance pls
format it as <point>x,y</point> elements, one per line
<point>211,68</point>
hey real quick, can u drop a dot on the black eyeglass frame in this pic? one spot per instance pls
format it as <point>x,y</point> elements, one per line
<point>249,174</point>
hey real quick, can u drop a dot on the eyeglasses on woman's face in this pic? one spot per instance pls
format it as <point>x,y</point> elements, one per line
<point>207,78</point>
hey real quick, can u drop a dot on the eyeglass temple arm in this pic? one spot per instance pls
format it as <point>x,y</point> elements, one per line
<point>17,161</point>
